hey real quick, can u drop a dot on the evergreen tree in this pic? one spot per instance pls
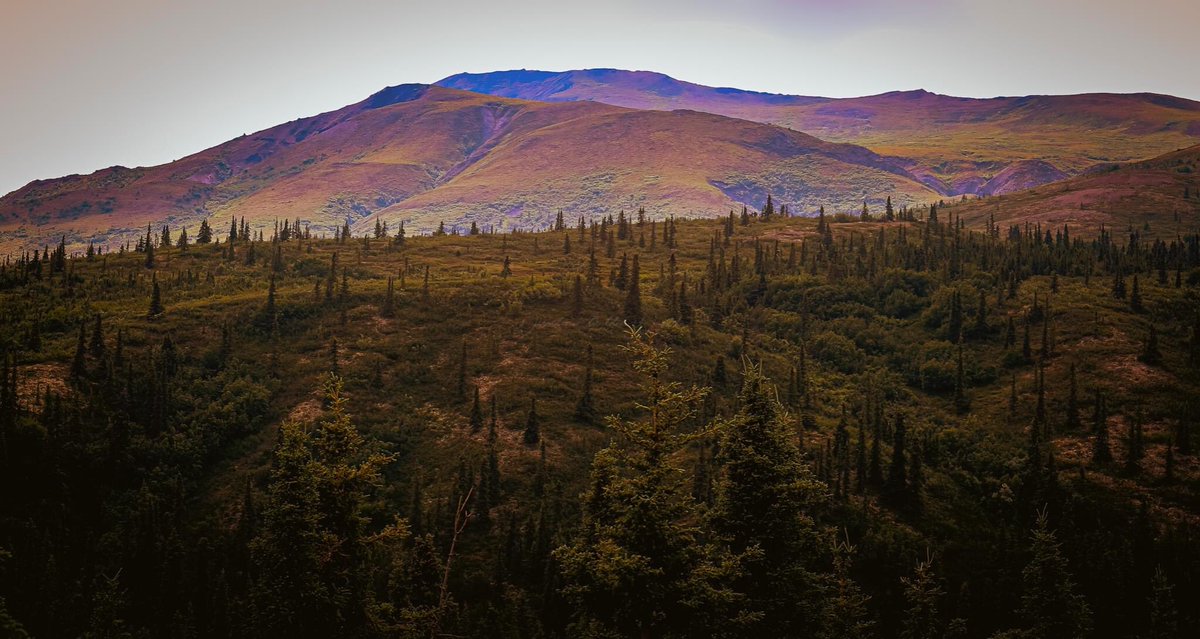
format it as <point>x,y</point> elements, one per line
<point>584,409</point>
<point>1150,353</point>
<point>922,595</point>
<point>895,491</point>
<point>532,434</point>
<point>491,475</point>
<point>845,614</point>
<point>638,566</point>
<point>156,306</point>
<point>1134,443</point>
<point>875,469</point>
<point>1101,452</point>
<point>79,363</point>
<point>96,345</point>
<point>310,552</point>
<point>577,296</point>
<point>461,392</point>
<point>763,511</point>
<point>476,419</point>
<point>389,301</point>
<point>1049,604</point>
<point>1163,612</point>
<point>1026,348</point>
<point>205,234</point>
<point>633,296</point>
<point>148,247</point>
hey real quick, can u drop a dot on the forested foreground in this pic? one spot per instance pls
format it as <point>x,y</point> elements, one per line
<point>754,426</point>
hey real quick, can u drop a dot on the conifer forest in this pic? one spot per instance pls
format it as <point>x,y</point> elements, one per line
<point>892,424</point>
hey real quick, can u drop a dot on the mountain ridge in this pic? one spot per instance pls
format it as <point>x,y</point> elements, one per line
<point>428,155</point>
<point>955,145</point>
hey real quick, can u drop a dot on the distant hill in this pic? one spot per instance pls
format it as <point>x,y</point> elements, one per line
<point>1160,193</point>
<point>427,155</point>
<point>954,145</point>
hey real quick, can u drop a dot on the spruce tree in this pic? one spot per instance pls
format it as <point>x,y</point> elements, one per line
<point>532,434</point>
<point>922,596</point>
<point>1150,353</point>
<point>205,234</point>
<point>149,248</point>
<point>764,501</point>
<point>638,565</point>
<point>577,296</point>
<point>1135,443</point>
<point>896,488</point>
<point>492,472</point>
<point>476,419</point>
<point>1049,604</point>
<point>461,391</point>
<point>269,310</point>
<point>96,345</point>
<point>633,296</point>
<point>1101,451</point>
<point>1163,623</point>
<point>389,300</point>
<point>79,363</point>
<point>312,547</point>
<point>156,306</point>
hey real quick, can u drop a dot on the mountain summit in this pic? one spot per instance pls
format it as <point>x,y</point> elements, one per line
<point>428,155</point>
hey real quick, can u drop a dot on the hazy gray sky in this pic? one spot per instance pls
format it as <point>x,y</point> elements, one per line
<point>86,84</point>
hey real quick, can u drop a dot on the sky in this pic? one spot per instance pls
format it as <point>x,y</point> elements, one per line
<point>86,84</point>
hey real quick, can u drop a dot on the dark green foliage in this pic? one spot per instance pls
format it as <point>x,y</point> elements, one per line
<point>895,490</point>
<point>476,419</point>
<point>763,512</point>
<point>922,598</point>
<point>1150,353</point>
<point>532,433</point>
<point>139,474</point>
<point>633,296</point>
<point>156,305</point>
<point>310,550</point>
<point>1163,623</point>
<point>637,566</point>
<point>1101,452</point>
<point>1050,606</point>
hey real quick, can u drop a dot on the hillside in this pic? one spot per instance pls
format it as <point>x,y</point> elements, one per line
<point>426,155</point>
<point>1159,197</point>
<point>954,145</point>
<point>180,461</point>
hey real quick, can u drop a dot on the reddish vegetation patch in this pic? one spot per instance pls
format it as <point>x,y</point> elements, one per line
<point>34,380</point>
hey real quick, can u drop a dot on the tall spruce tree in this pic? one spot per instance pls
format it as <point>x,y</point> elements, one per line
<point>533,432</point>
<point>763,511</point>
<point>638,565</point>
<point>310,552</point>
<point>1049,604</point>
<point>633,296</point>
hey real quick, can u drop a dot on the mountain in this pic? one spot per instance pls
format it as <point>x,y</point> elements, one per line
<point>954,145</point>
<point>1159,197</point>
<point>427,154</point>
